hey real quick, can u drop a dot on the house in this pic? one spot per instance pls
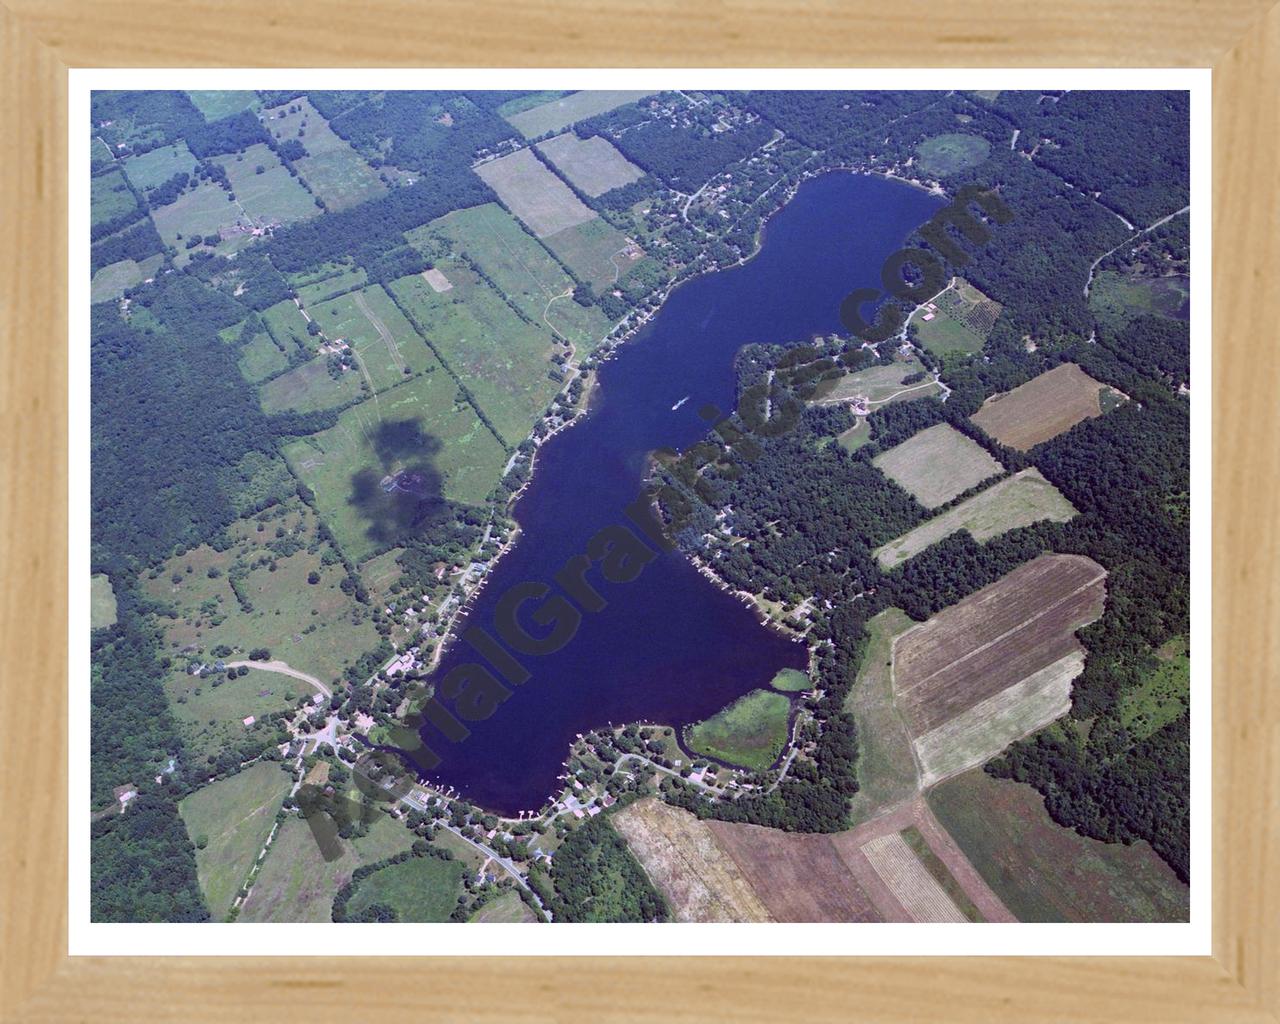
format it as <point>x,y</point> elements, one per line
<point>248,722</point>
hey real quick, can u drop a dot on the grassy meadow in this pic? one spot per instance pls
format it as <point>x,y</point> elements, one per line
<point>228,821</point>
<point>750,732</point>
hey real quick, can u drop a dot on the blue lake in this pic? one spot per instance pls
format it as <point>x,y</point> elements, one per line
<point>670,646</point>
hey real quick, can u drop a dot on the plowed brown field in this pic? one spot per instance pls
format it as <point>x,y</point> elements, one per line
<point>995,638</point>
<point>1041,408</point>
<point>799,877</point>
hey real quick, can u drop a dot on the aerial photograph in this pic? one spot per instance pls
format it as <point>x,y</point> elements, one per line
<point>639,506</point>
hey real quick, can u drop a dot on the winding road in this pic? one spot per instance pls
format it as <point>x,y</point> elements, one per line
<point>282,668</point>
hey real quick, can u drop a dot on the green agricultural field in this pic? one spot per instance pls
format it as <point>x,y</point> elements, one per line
<point>424,429</point>
<point>937,464</point>
<point>878,385</point>
<point>259,358</point>
<point>297,884</point>
<point>558,114</point>
<point>529,190</point>
<point>115,279</point>
<point>147,170</point>
<point>791,680</point>
<point>204,211</point>
<point>1044,872</point>
<point>508,908</point>
<point>943,335</point>
<point>215,104</point>
<point>328,281</point>
<point>1163,694</point>
<point>315,627</point>
<point>381,572</point>
<point>272,197</point>
<point>518,265</point>
<point>311,388</point>
<point>947,154</point>
<point>886,768</point>
<point>335,171</point>
<point>530,100</point>
<point>594,251</point>
<point>1016,501</point>
<point>750,732</point>
<point>288,327</point>
<point>102,602</point>
<point>1117,298</point>
<point>385,344</point>
<point>420,889</point>
<point>229,821</point>
<point>593,165</point>
<point>504,360</point>
<point>109,197</point>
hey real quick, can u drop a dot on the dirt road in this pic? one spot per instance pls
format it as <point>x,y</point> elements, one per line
<point>283,669</point>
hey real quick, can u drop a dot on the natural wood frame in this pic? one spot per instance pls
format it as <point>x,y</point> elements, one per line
<point>41,39</point>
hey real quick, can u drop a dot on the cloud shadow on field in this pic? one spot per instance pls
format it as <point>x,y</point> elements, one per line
<point>406,492</point>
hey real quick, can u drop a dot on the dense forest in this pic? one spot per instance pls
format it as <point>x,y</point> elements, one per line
<point>166,374</point>
<point>1132,148</point>
<point>136,242</point>
<point>132,733</point>
<point>428,132</point>
<point>144,866</point>
<point>596,878</point>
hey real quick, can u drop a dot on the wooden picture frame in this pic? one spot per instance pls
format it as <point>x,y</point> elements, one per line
<point>42,39</point>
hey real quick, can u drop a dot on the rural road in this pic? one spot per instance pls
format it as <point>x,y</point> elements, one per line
<point>666,771</point>
<point>1163,220</point>
<point>506,863</point>
<point>283,669</point>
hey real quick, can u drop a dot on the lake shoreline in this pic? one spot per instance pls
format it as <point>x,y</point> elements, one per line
<point>633,427</point>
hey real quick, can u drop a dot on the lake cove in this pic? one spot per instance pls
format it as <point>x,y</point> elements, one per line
<point>668,646</point>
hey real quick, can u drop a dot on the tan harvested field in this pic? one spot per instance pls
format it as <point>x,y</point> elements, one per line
<point>682,858</point>
<point>593,165</point>
<point>995,638</point>
<point>722,871</point>
<point>529,190</point>
<point>918,892</point>
<point>1042,408</point>
<point>1019,500</point>
<point>558,114</point>
<point>937,464</point>
<point>435,277</point>
<point>975,736</point>
<point>963,884</point>
<point>798,877</point>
